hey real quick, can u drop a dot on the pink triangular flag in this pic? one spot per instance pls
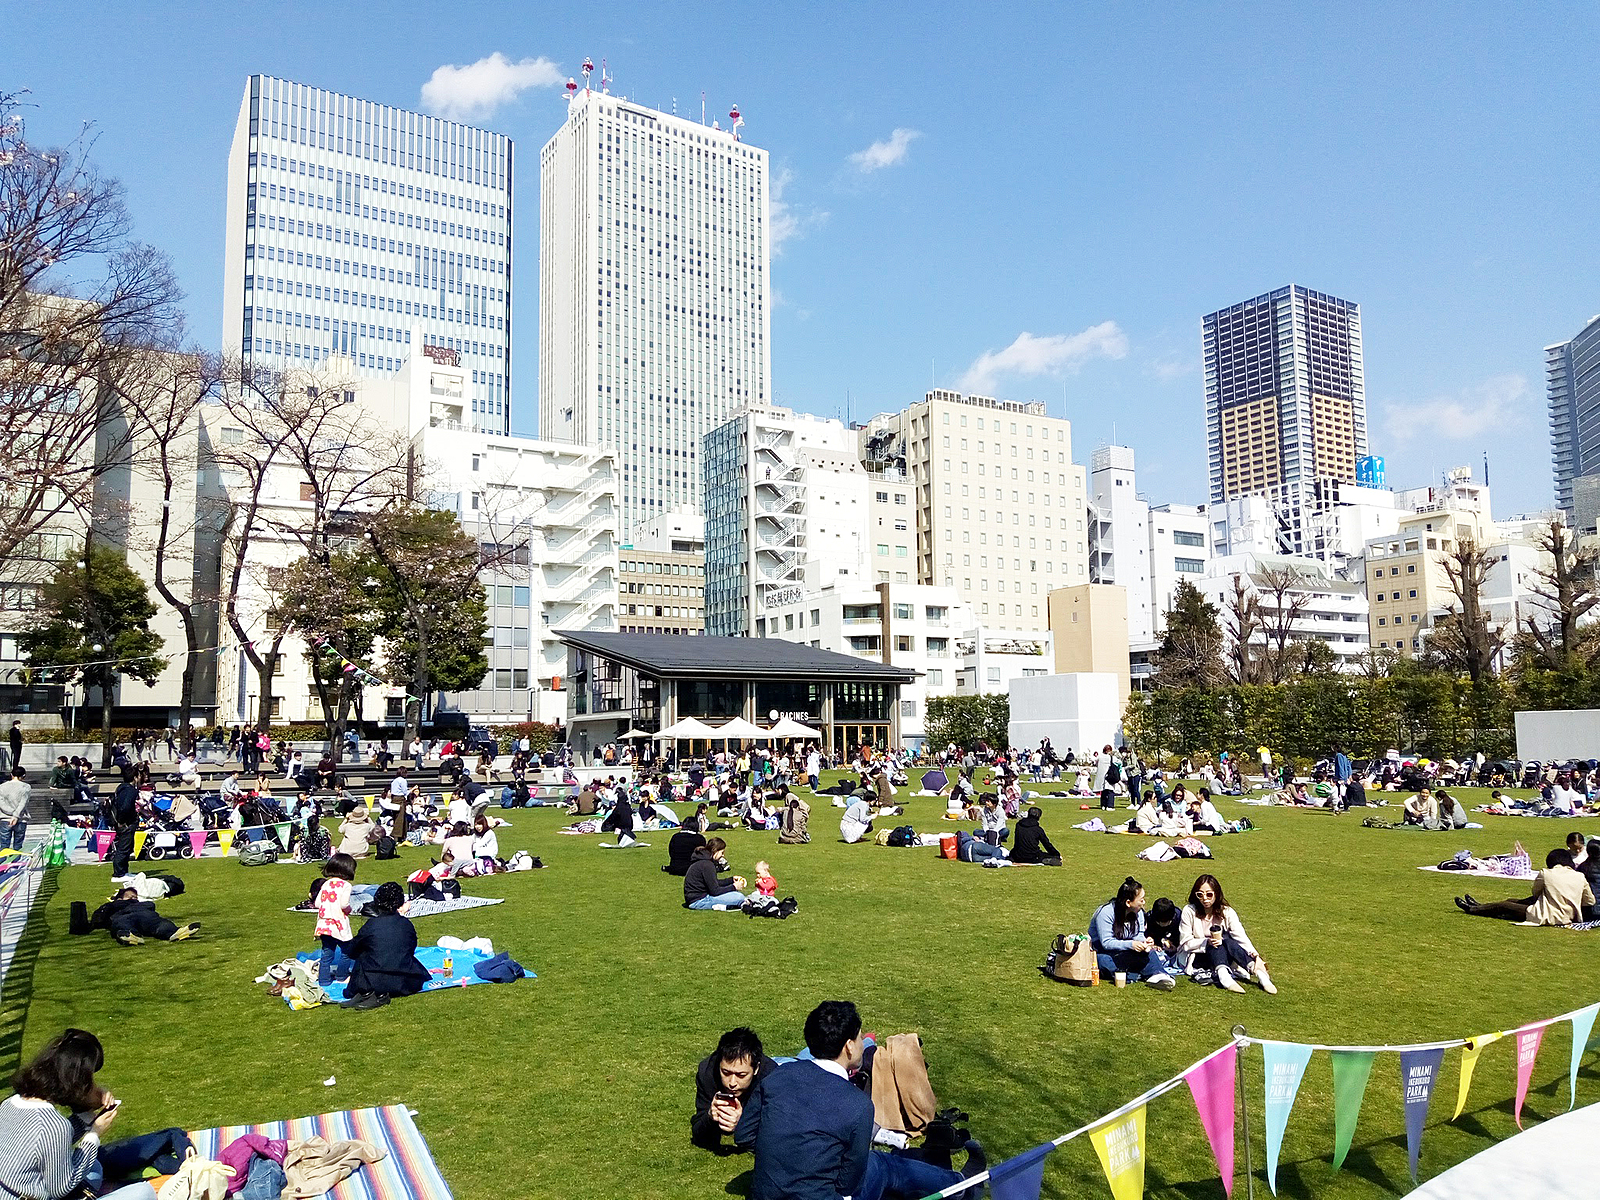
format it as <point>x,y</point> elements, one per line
<point>102,843</point>
<point>1527,1051</point>
<point>197,841</point>
<point>1212,1085</point>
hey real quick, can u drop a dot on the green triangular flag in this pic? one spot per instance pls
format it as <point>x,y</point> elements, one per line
<point>1350,1071</point>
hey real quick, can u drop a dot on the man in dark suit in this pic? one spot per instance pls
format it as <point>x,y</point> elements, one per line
<point>812,1128</point>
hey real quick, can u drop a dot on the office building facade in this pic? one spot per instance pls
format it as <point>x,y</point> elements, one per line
<point>654,291</point>
<point>349,222</point>
<point>1285,391</point>
<point>1572,386</point>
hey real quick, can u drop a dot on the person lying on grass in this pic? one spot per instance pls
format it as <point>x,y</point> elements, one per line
<point>1561,895</point>
<point>384,953</point>
<point>132,920</point>
<point>722,1081</point>
<point>702,888</point>
<point>1213,937</point>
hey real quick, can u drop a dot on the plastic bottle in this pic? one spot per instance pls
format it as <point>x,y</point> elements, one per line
<point>1094,971</point>
<point>449,965</point>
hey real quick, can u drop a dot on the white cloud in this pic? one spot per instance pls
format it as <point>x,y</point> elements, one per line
<point>478,89</point>
<point>784,219</point>
<point>1499,402</point>
<point>1029,357</point>
<point>886,153</point>
<point>1175,368</point>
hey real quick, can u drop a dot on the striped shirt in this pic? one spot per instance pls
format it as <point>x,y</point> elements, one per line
<point>38,1158</point>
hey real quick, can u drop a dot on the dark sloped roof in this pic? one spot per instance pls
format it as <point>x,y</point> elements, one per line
<point>679,655</point>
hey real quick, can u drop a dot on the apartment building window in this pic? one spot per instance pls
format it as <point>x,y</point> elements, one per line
<point>1413,618</point>
<point>908,708</point>
<point>816,617</point>
<point>883,550</point>
<point>1183,538</point>
<point>904,645</point>
<point>788,623</point>
<point>903,612</point>
<point>935,678</point>
<point>1188,566</point>
<point>994,674</point>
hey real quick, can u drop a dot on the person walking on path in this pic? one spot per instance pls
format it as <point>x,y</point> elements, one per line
<point>16,744</point>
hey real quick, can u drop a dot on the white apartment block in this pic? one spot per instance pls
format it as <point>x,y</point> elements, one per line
<point>1119,537</point>
<point>349,223</point>
<point>1334,611</point>
<point>1000,505</point>
<point>654,291</point>
<point>786,510</point>
<point>1179,552</point>
<point>927,629</point>
<point>662,583</point>
<point>1327,519</point>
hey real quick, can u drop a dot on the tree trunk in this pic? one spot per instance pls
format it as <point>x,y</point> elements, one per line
<point>186,693</point>
<point>106,686</point>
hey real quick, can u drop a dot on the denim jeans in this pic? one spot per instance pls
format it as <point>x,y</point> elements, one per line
<point>334,961</point>
<point>164,1150</point>
<point>705,902</point>
<point>971,849</point>
<point>901,1177</point>
<point>13,835</point>
<point>1136,964</point>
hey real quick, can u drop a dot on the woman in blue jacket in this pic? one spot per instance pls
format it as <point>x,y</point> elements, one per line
<point>1117,934</point>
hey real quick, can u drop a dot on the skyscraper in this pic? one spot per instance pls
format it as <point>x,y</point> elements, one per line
<point>654,291</point>
<point>1286,396</point>
<point>351,222</point>
<point>1572,385</point>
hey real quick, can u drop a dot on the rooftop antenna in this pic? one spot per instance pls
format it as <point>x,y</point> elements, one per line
<point>605,79</point>
<point>702,106</point>
<point>572,88</point>
<point>733,115</point>
<point>588,69</point>
<point>674,106</point>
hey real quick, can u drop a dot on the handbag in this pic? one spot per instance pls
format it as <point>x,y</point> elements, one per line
<point>1070,960</point>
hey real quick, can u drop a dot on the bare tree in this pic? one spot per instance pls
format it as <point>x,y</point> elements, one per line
<point>1566,594</point>
<point>77,296</point>
<point>1463,639</point>
<point>1282,598</point>
<point>1242,622</point>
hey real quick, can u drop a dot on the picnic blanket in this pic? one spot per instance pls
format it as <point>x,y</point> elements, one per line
<point>1483,874</point>
<point>406,1171</point>
<point>432,957</point>
<point>432,908</point>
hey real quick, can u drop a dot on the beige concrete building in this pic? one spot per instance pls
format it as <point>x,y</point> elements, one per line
<point>998,502</point>
<point>1089,627</point>
<point>662,582</point>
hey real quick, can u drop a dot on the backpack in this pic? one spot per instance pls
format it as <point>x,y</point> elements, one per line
<point>1070,960</point>
<point>902,835</point>
<point>387,848</point>
<point>1113,774</point>
<point>258,854</point>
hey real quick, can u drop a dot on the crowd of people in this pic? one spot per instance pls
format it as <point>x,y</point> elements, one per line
<point>1205,940</point>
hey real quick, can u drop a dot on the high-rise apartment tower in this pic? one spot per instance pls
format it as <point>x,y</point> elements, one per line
<point>1572,385</point>
<point>654,290</point>
<point>1286,396</point>
<point>349,222</point>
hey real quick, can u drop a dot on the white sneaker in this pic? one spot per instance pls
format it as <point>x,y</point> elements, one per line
<point>1161,982</point>
<point>1226,980</point>
<point>1265,980</point>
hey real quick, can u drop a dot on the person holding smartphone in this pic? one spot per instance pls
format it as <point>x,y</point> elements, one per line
<point>48,1155</point>
<point>722,1081</point>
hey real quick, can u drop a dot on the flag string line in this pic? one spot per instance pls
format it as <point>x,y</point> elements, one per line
<point>1241,1042</point>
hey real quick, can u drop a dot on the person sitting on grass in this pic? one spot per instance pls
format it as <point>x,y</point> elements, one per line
<point>354,833</point>
<point>857,820</point>
<point>48,1156</point>
<point>722,1081</point>
<point>1561,895</point>
<point>384,953</point>
<point>811,1127</point>
<point>1204,815</point>
<point>314,845</point>
<point>1117,934</point>
<point>992,826</point>
<point>1213,937</point>
<point>793,821</point>
<point>1420,809</point>
<point>1163,926</point>
<point>702,888</point>
<point>132,921</point>
<point>1449,811</point>
<point>1033,845</point>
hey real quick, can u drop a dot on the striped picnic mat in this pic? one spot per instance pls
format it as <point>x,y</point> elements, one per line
<point>406,1172</point>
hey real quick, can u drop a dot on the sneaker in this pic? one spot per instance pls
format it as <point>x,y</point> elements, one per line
<point>186,932</point>
<point>1162,982</point>
<point>130,939</point>
<point>1265,980</point>
<point>1226,980</point>
<point>369,1001</point>
<point>1463,905</point>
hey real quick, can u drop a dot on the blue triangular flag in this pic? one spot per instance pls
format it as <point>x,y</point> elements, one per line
<point>1020,1177</point>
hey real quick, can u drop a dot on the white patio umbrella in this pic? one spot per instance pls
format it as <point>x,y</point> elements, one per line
<point>634,733</point>
<point>687,729</point>
<point>790,728</point>
<point>742,729</point>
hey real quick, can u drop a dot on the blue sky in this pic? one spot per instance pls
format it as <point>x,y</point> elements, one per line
<point>1094,177</point>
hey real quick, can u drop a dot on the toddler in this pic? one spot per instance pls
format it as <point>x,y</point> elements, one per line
<point>333,913</point>
<point>766,885</point>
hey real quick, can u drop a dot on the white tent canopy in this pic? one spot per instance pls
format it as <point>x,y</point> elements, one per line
<point>688,729</point>
<point>1544,1160</point>
<point>790,728</point>
<point>740,728</point>
<point>634,733</point>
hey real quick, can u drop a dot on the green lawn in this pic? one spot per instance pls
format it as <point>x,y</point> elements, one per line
<point>579,1084</point>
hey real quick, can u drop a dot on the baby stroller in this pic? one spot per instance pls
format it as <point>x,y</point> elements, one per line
<point>214,810</point>
<point>162,843</point>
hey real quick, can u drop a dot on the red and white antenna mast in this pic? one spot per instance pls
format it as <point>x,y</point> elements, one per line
<point>572,89</point>
<point>588,69</point>
<point>605,79</point>
<point>733,115</point>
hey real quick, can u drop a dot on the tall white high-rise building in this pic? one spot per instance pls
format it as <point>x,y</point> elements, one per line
<point>654,291</point>
<point>349,222</point>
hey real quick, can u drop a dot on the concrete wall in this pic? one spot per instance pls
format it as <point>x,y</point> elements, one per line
<point>1568,733</point>
<point>1081,711</point>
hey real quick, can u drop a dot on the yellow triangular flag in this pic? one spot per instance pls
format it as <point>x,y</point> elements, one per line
<point>1469,1060</point>
<point>225,840</point>
<point>1120,1145</point>
<point>138,842</point>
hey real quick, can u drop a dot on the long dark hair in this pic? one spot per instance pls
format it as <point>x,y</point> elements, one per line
<point>1219,901</point>
<point>63,1072</point>
<point>1123,921</point>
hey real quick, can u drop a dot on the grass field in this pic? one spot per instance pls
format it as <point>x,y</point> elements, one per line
<point>579,1084</point>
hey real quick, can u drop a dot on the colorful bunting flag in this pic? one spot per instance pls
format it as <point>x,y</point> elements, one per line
<point>1120,1145</point>
<point>71,836</point>
<point>1211,1083</point>
<point>1020,1177</point>
<point>281,829</point>
<point>102,843</point>
<point>1527,1051</point>
<point>225,840</point>
<point>1285,1066</point>
<point>197,842</point>
<point>1582,1027</point>
<point>1351,1069</point>
<point>1469,1060</point>
<point>1419,1071</point>
<point>139,840</point>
